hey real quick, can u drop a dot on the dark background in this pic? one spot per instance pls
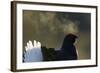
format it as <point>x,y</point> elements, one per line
<point>49,28</point>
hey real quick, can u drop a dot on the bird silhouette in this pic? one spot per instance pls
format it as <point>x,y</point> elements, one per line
<point>36,52</point>
<point>68,50</point>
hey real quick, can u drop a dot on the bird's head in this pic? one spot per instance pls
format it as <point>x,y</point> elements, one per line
<point>70,38</point>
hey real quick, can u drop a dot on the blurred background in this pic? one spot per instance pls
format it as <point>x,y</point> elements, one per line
<point>50,28</point>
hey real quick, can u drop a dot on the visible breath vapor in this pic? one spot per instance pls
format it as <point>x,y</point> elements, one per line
<point>50,28</point>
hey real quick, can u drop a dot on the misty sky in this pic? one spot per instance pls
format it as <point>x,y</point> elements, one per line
<point>49,28</point>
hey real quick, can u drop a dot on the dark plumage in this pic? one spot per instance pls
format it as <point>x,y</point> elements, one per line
<point>68,50</point>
